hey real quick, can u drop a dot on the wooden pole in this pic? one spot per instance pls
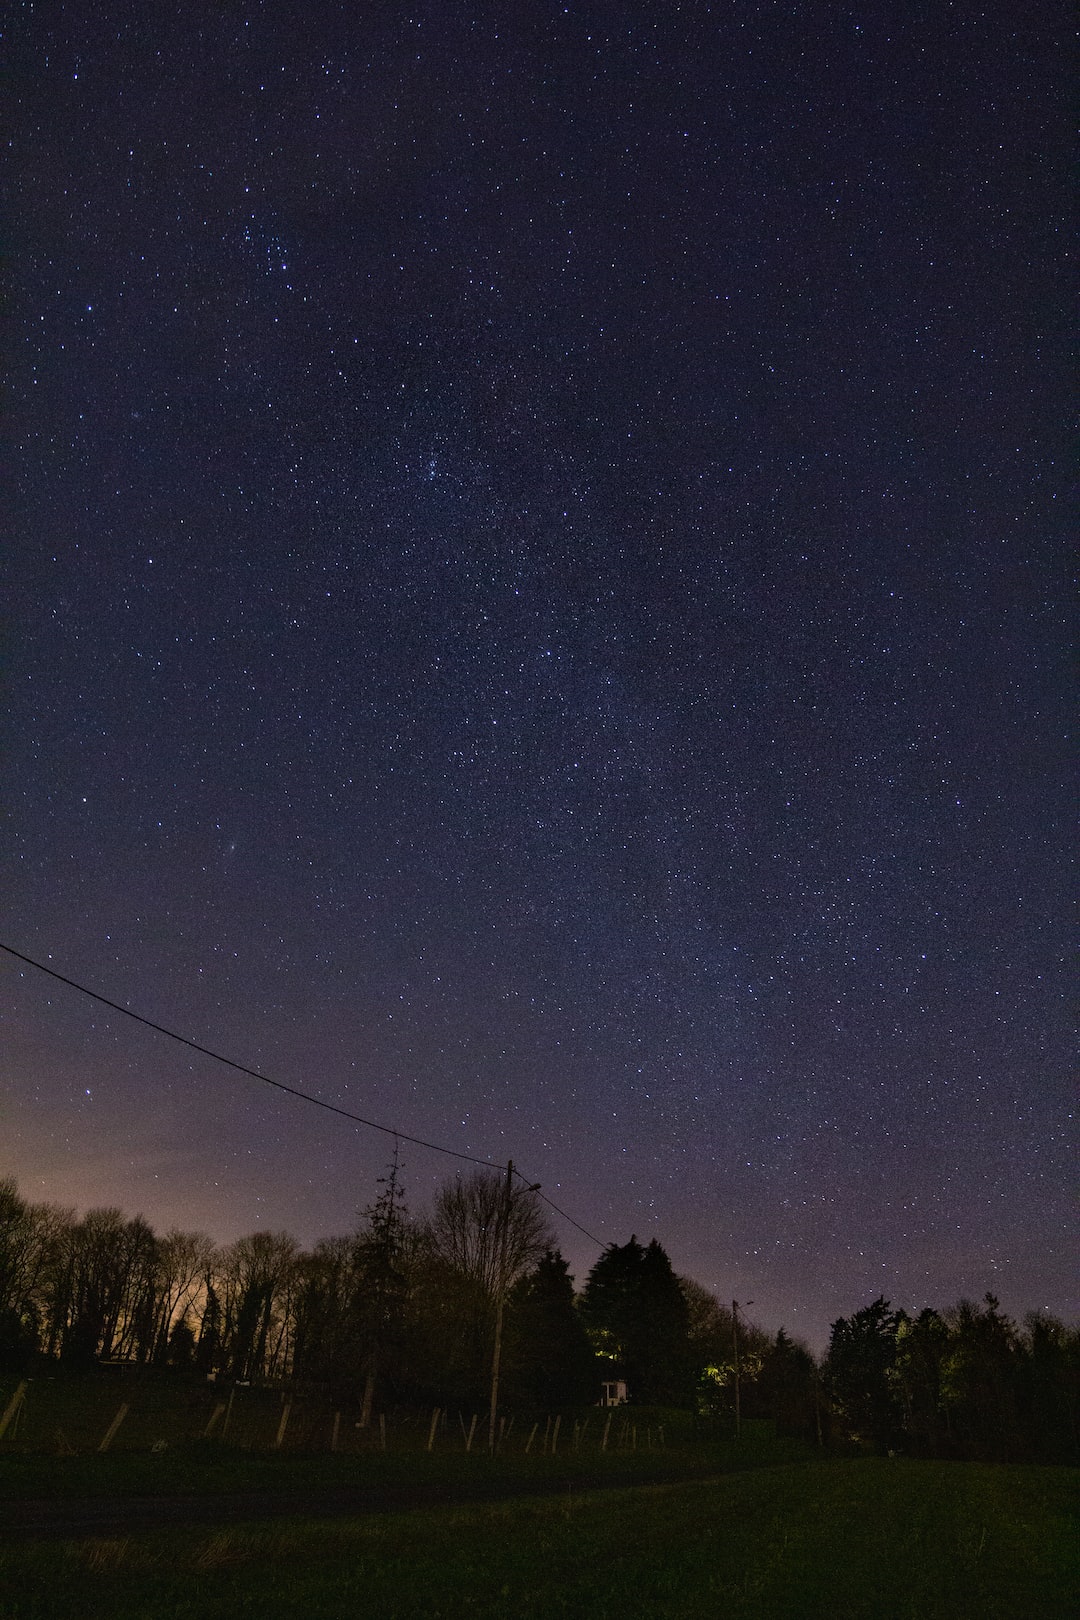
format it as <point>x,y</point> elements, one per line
<point>532,1437</point>
<point>607,1431</point>
<point>431,1431</point>
<point>215,1415</point>
<point>12,1407</point>
<point>735,1309</point>
<point>283,1425</point>
<point>110,1433</point>
<point>500,1284</point>
<point>735,1338</point>
<point>369,1396</point>
<point>472,1431</point>
<point>335,1433</point>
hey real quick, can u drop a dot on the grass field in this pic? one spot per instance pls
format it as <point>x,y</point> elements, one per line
<point>888,1539</point>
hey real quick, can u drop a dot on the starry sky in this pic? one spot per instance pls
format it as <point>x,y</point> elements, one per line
<point>537,615</point>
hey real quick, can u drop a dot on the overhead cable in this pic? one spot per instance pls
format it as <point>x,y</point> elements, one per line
<point>278,1085</point>
<point>242,1068</point>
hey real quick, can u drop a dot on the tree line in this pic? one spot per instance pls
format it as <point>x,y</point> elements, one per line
<point>405,1310</point>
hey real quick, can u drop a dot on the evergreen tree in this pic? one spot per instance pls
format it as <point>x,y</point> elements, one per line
<point>980,1381</point>
<point>382,1280</point>
<point>859,1371</point>
<point>1050,1383</point>
<point>637,1317</point>
<point>549,1360</point>
<point>921,1348</point>
<point>785,1388</point>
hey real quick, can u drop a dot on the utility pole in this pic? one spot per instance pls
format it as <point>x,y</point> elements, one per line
<point>500,1283</point>
<point>500,1301</point>
<point>735,1309</point>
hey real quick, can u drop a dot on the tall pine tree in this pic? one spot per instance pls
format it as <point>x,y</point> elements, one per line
<point>549,1360</point>
<point>637,1317</point>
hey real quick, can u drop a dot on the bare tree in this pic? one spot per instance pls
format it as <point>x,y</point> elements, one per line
<point>467,1230</point>
<point>478,1248</point>
<point>183,1259</point>
<point>254,1282</point>
<point>709,1323</point>
<point>31,1242</point>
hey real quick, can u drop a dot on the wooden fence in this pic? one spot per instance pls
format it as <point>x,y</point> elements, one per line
<point>65,1416</point>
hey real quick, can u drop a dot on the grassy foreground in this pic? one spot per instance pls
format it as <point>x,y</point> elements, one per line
<point>201,1469</point>
<point>873,1538</point>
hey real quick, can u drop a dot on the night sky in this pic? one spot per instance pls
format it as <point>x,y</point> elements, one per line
<point>538,615</point>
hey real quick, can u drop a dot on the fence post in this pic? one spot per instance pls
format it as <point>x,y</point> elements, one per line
<point>335,1432</point>
<point>607,1431</point>
<point>12,1408</point>
<point>283,1425</point>
<point>431,1431</point>
<point>110,1433</point>
<point>532,1437</point>
<point>214,1416</point>
<point>555,1434</point>
<point>472,1431</point>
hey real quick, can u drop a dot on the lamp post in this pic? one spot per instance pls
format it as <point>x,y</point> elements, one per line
<point>496,1354</point>
<point>735,1309</point>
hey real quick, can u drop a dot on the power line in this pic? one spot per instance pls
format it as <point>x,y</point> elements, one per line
<point>278,1085</point>
<point>534,1186</point>
<point>242,1068</point>
<point>600,1244</point>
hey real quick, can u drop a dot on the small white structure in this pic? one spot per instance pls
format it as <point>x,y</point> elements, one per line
<point>613,1392</point>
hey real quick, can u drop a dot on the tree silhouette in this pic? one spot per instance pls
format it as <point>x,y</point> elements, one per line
<point>638,1319</point>
<point>549,1360</point>
<point>469,1264</point>
<point>859,1371</point>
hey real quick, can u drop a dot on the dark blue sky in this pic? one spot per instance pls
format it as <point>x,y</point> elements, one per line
<point>539,616</point>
